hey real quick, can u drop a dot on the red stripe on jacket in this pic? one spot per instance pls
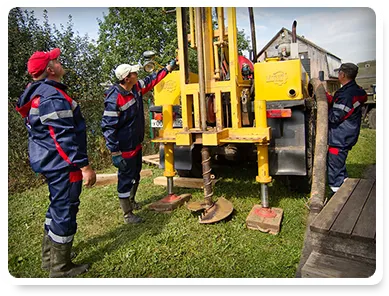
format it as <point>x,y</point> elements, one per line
<point>161,75</point>
<point>360,99</point>
<point>122,100</point>
<point>69,99</point>
<point>25,109</point>
<point>58,147</point>
<point>130,154</point>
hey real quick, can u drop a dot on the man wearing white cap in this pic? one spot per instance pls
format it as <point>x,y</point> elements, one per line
<point>123,128</point>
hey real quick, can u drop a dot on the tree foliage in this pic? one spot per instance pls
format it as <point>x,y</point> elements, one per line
<point>82,62</point>
<point>124,34</point>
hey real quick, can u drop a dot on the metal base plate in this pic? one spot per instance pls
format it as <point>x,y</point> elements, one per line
<point>220,210</point>
<point>270,222</point>
<point>170,202</point>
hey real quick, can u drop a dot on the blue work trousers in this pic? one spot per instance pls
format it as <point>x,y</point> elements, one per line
<point>65,189</point>
<point>336,167</point>
<point>130,175</point>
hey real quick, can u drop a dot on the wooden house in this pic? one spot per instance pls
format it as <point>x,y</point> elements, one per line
<point>313,57</point>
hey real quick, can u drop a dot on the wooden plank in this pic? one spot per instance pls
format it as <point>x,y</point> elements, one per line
<point>328,214</point>
<point>321,265</point>
<point>183,182</point>
<point>151,159</point>
<point>343,246</point>
<point>365,229</point>
<point>106,179</point>
<point>348,217</point>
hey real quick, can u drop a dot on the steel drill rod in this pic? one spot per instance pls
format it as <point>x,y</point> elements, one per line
<point>206,164</point>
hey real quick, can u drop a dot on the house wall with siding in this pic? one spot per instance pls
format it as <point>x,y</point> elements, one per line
<point>318,58</point>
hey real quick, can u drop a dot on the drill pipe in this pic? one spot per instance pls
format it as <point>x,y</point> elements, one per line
<point>205,156</point>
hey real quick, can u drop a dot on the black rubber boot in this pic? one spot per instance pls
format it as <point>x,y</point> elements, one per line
<point>134,204</point>
<point>61,264</point>
<point>129,217</point>
<point>46,246</point>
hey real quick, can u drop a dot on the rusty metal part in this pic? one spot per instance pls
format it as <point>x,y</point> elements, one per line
<point>294,35</point>
<point>246,106</point>
<point>206,164</point>
<point>196,206</point>
<point>220,210</point>
<point>316,201</point>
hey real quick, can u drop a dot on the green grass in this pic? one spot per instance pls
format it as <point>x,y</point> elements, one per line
<point>173,245</point>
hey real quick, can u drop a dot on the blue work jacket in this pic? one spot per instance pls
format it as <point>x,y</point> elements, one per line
<point>345,115</point>
<point>56,128</point>
<point>123,122</point>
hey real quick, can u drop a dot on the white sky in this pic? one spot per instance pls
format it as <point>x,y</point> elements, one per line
<point>348,33</point>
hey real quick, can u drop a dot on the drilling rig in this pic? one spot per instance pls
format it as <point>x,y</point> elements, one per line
<point>232,105</point>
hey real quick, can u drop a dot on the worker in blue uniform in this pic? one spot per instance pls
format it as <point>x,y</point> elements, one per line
<point>344,123</point>
<point>123,127</point>
<point>57,149</point>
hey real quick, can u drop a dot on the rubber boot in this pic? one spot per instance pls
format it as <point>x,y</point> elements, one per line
<point>61,264</point>
<point>46,246</point>
<point>129,217</point>
<point>134,204</point>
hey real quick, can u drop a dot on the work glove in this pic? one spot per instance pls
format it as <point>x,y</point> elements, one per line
<point>118,161</point>
<point>173,64</point>
<point>329,97</point>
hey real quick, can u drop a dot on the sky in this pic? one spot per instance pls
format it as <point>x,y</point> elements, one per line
<point>347,32</point>
<point>348,29</point>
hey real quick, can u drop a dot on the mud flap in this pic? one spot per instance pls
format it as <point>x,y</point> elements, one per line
<point>182,157</point>
<point>287,155</point>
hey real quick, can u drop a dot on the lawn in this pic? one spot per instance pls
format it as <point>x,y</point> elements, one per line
<point>173,245</point>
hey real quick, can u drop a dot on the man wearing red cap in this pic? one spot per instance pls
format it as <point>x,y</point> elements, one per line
<point>57,149</point>
<point>123,126</point>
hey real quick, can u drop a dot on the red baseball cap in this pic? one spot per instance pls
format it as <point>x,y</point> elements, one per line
<point>37,63</point>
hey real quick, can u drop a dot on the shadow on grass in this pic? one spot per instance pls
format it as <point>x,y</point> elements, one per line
<point>240,182</point>
<point>124,235</point>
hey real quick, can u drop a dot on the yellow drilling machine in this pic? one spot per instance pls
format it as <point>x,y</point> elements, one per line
<point>232,105</point>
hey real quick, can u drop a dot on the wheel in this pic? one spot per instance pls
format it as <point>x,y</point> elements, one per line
<point>371,118</point>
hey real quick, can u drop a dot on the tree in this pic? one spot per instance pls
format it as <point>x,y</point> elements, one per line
<point>82,63</point>
<point>25,36</point>
<point>126,32</point>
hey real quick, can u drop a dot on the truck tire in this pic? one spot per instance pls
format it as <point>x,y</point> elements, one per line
<point>371,116</point>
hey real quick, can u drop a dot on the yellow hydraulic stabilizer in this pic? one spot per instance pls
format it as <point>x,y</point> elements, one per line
<point>171,201</point>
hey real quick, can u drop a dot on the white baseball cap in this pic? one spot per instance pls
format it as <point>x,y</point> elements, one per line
<point>123,70</point>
